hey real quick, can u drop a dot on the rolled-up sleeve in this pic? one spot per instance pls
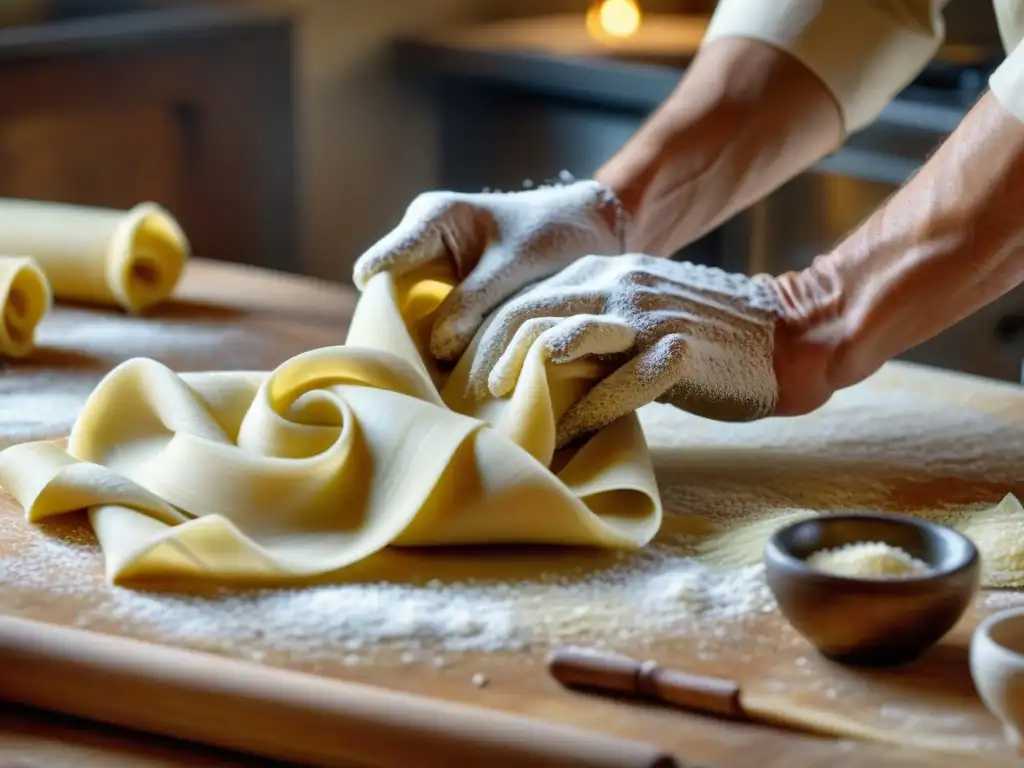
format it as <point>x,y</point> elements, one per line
<point>865,51</point>
<point>1007,82</point>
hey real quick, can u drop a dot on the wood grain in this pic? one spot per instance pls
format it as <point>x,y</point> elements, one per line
<point>301,718</point>
<point>191,108</point>
<point>112,158</point>
<point>230,317</point>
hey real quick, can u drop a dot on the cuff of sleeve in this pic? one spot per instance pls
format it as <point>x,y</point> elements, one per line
<point>865,52</point>
<point>1007,83</point>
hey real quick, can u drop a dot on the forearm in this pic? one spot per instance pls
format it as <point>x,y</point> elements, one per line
<point>775,86</point>
<point>746,118</point>
<point>948,243</point>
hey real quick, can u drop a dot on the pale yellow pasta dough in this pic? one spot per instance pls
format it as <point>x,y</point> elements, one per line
<point>26,299</point>
<point>133,258</point>
<point>335,458</point>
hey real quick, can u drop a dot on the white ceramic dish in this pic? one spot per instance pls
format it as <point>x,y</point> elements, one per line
<point>997,667</point>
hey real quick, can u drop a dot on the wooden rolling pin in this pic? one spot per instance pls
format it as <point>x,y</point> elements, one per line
<point>613,673</point>
<point>284,715</point>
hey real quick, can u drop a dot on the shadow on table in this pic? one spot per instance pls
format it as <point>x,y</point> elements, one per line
<point>58,357</point>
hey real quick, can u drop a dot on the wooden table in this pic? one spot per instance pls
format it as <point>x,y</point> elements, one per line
<point>227,317</point>
<point>267,318</point>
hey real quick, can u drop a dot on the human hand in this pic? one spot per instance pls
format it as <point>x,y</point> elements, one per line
<point>498,243</point>
<point>814,356</point>
<point>693,336</point>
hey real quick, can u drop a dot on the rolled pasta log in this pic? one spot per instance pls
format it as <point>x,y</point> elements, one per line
<point>26,298</point>
<point>132,258</point>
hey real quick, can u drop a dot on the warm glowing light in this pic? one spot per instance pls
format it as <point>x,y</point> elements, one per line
<point>614,18</point>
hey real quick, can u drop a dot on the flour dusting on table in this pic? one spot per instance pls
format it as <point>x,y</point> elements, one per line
<point>646,595</point>
<point>867,450</point>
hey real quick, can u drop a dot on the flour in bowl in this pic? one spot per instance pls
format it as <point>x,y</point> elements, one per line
<point>868,560</point>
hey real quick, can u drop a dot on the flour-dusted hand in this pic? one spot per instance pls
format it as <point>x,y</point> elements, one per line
<point>693,336</point>
<point>498,243</point>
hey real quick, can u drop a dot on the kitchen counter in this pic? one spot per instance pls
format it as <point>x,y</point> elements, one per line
<point>222,316</point>
<point>967,446</point>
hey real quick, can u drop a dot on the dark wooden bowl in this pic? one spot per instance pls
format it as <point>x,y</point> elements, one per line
<point>876,622</point>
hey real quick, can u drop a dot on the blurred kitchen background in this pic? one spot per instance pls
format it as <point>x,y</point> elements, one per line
<point>291,134</point>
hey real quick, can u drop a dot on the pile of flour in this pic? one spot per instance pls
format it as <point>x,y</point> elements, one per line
<point>643,596</point>
<point>868,559</point>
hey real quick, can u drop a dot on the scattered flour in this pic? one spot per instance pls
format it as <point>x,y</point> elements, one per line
<point>480,680</point>
<point>76,347</point>
<point>42,408</point>
<point>874,447</point>
<point>869,449</point>
<point>122,334</point>
<point>724,595</point>
<point>1001,599</point>
<point>709,474</point>
<point>867,560</point>
<point>647,595</point>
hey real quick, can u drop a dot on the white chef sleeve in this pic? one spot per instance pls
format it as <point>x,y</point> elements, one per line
<point>865,51</point>
<point>1007,82</point>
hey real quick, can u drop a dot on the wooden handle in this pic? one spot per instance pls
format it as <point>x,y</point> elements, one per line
<point>621,674</point>
<point>280,714</point>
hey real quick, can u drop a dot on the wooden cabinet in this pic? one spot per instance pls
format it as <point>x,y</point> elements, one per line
<point>191,108</point>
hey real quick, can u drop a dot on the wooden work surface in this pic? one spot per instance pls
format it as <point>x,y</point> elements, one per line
<point>968,450</point>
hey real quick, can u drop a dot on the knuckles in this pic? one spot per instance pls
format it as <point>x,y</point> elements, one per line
<point>435,205</point>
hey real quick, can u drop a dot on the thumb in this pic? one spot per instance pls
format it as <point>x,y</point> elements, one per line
<point>417,240</point>
<point>464,309</point>
<point>400,251</point>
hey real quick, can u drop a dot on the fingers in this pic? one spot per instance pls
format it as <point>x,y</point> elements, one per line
<point>564,340</point>
<point>498,336</point>
<point>400,251</point>
<point>639,382</point>
<point>503,270</point>
<point>464,309</point>
<point>414,242</point>
<point>505,374</point>
<point>584,335</point>
<point>509,319</point>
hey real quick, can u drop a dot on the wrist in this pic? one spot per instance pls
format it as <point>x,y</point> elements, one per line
<point>817,309</point>
<point>673,178</point>
<point>945,245</point>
